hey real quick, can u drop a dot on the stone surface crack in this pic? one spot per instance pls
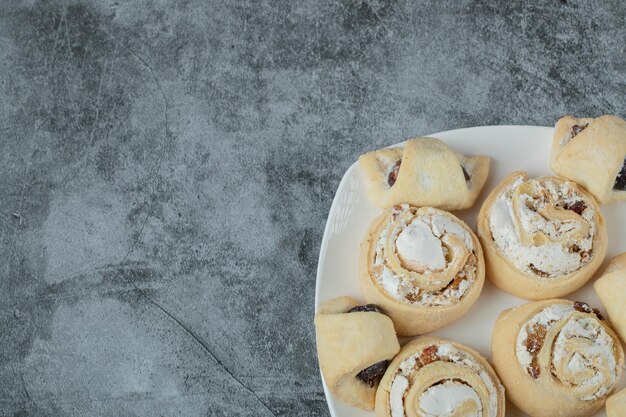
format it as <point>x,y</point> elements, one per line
<point>30,398</point>
<point>202,344</point>
<point>168,135</point>
<point>186,329</point>
<point>168,138</point>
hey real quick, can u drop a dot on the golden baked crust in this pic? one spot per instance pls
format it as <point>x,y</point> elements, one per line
<point>616,404</point>
<point>611,290</point>
<point>432,367</point>
<point>533,285</point>
<point>549,387</point>
<point>412,318</point>
<point>348,343</point>
<point>429,174</point>
<point>592,153</point>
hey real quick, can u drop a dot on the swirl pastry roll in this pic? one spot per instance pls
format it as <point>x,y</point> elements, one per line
<point>354,346</point>
<point>556,358</point>
<point>592,152</point>
<point>542,237</point>
<point>434,377</point>
<point>426,172</point>
<point>616,404</point>
<point>424,266</point>
<point>611,290</point>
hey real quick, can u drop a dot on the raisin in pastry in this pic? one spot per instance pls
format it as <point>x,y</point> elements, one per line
<point>556,358</point>
<point>423,266</point>
<point>592,152</point>
<point>543,237</point>
<point>426,172</point>
<point>436,377</point>
<point>354,345</point>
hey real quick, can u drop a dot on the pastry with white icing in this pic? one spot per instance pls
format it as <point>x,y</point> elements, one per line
<point>354,346</point>
<point>435,377</point>
<point>423,266</point>
<point>611,290</point>
<point>426,172</point>
<point>556,358</point>
<point>543,237</point>
<point>592,152</point>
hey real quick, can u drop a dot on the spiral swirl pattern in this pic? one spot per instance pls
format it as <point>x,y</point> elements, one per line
<point>543,237</point>
<point>423,256</point>
<point>556,357</point>
<point>544,226</point>
<point>434,377</point>
<point>567,344</point>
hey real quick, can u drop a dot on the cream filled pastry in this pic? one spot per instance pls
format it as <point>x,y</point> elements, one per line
<point>543,237</point>
<point>556,357</point>
<point>423,266</point>
<point>432,377</point>
<point>426,172</point>
<point>354,346</point>
<point>592,152</point>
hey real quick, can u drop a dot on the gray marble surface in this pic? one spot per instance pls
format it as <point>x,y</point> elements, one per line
<point>167,168</point>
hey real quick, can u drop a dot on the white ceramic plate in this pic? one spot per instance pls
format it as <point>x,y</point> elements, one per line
<point>511,148</point>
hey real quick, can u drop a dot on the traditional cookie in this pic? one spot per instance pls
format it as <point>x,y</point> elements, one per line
<point>354,345</point>
<point>436,377</point>
<point>542,237</point>
<point>611,289</point>
<point>426,172</point>
<point>424,266</point>
<point>556,358</point>
<point>592,152</point>
<point>616,405</point>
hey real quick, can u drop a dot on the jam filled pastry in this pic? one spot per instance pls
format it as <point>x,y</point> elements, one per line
<point>426,172</point>
<point>611,290</point>
<point>354,345</point>
<point>542,237</point>
<point>435,377</point>
<point>592,152</point>
<point>424,266</point>
<point>616,404</point>
<point>556,358</point>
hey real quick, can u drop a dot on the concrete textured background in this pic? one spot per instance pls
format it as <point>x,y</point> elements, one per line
<point>166,169</point>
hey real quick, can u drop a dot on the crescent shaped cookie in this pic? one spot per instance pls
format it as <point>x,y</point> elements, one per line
<point>542,237</point>
<point>426,172</point>
<point>556,358</point>
<point>611,290</point>
<point>354,346</point>
<point>436,377</point>
<point>424,266</point>
<point>592,152</point>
